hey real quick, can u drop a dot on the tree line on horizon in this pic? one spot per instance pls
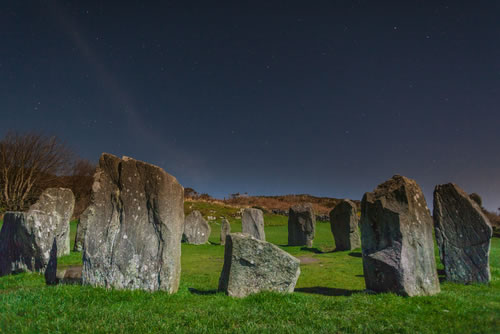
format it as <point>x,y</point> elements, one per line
<point>32,162</point>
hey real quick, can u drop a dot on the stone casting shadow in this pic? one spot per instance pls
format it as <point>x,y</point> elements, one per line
<point>202,292</point>
<point>355,254</point>
<point>320,290</point>
<point>441,275</point>
<point>312,250</point>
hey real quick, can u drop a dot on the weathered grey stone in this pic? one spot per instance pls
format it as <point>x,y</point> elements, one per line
<point>252,265</point>
<point>56,206</point>
<point>463,235</point>
<point>301,225</point>
<point>134,227</point>
<point>344,223</point>
<point>196,229</point>
<point>32,240</point>
<point>225,229</point>
<point>28,246</point>
<point>252,223</point>
<point>396,239</point>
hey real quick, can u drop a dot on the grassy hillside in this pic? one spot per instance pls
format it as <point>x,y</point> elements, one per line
<point>322,205</point>
<point>329,298</point>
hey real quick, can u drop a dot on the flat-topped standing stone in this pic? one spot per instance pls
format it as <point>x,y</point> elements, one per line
<point>196,229</point>
<point>396,239</point>
<point>252,265</point>
<point>344,223</point>
<point>301,225</point>
<point>252,223</point>
<point>463,235</point>
<point>134,227</point>
<point>55,208</point>
<point>225,229</point>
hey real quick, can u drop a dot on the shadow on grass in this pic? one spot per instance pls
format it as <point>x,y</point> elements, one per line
<point>202,292</point>
<point>441,275</point>
<point>355,254</point>
<point>320,290</point>
<point>312,250</point>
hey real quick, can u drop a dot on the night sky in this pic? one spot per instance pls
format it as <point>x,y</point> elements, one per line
<point>329,98</point>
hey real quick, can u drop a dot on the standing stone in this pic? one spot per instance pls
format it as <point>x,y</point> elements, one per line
<point>301,225</point>
<point>344,223</point>
<point>196,229</point>
<point>252,223</point>
<point>134,227</point>
<point>463,235</point>
<point>32,240</point>
<point>252,265</point>
<point>225,229</point>
<point>56,206</point>
<point>28,246</point>
<point>81,228</point>
<point>396,239</point>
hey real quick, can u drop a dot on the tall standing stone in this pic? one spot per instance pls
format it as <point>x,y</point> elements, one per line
<point>301,225</point>
<point>196,229</point>
<point>396,239</point>
<point>463,235</point>
<point>134,227</point>
<point>32,240</point>
<point>252,223</point>
<point>225,229</point>
<point>344,223</point>
<point>252,265</point>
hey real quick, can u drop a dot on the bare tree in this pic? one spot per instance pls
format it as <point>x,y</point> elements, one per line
<point>29,163</point>
<point>80,182</point>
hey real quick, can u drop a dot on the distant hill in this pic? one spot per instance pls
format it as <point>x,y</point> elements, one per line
<point>276,204</point>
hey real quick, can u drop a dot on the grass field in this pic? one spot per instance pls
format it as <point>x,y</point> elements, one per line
<point>329,298</point>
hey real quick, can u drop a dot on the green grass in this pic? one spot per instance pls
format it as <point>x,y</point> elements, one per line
<point>329,298</point>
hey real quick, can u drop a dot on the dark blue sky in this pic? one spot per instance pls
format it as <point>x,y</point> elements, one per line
<point>323,97</point>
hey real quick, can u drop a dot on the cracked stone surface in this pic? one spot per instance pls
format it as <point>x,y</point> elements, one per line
<point>252,265</point>
<point>301,225</point>
<point>463,235</point>
<point>344,223</point>
<point>134,227</point>
<point>252,223</point>
<point>396,240</point>
<point>196,229</point>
